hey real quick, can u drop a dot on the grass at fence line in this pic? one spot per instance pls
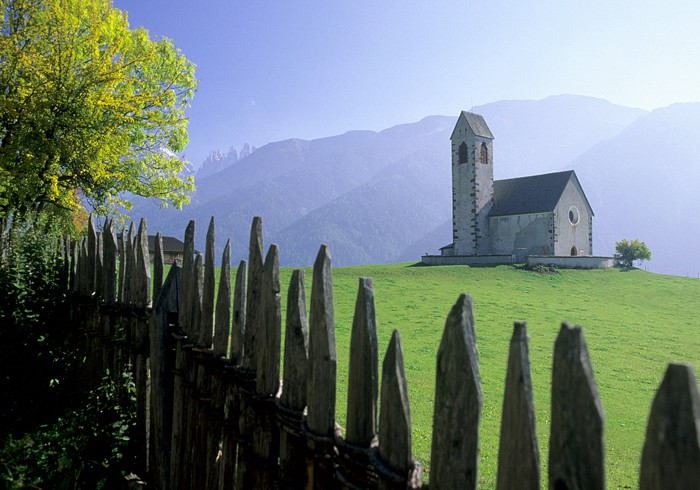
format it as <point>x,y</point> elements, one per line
<point>635,322</point>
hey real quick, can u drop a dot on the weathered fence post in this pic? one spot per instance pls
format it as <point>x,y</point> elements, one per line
<point>293,399</point>
<point>182,388</point>
<point>576,449</point>
<point>354,459</point>
<point>217,385</point>
<point>203,355</point>
<point>246,373</point>
<point>319,424</point>
<point>268,343</point>
<point>671,455</point>
<point>454,457</point>
<point>141,299</point>
<point>518,453</point>
<point>162,361</point>
<point>232,374</point>
<point>399,469</point>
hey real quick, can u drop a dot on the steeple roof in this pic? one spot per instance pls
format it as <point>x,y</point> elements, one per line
<point>476,123</point>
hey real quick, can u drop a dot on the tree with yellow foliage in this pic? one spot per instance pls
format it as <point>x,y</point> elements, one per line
<point>90,109</point>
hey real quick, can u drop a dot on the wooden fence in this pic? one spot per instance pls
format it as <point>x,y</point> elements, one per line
<point>213,412</point>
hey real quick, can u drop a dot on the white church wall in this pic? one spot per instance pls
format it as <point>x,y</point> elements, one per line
<point>572,223</point>
<point>522,234</point>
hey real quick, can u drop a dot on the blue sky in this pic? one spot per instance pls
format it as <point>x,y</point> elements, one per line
<point>274,69</point>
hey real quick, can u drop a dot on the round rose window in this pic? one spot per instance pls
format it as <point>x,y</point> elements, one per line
<point>573,215</point>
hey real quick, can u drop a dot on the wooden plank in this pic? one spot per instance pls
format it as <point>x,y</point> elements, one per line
<point>141,297</point>
<point>99,264</point>
<point>196,333</point>
<point>296,345</point>
<point>109,287</point>
<point>72,257</point>
<point>239,320</point>
<point>265,431</point>
<point>254,294</point>
<point>121,252</point>
<point>84,286</point>
<point>222,327</point>
<point>671,455</point>
<point>130,260</point>
<point>208,289</point>
<point>454,460</point>
<point>576,449</point>
<point>270,332</point>
<point>187,277</point>
<point>162,364</point>
<point>518,452</point>
<point>142,290</point>
<point>91,257</point>
<point>363,377</point>
<point>245,463</point>
<point>322,354</point>
<point>158,269</point>
<point>292,468</point>
<point>395,417</point>
<point>320,426</point>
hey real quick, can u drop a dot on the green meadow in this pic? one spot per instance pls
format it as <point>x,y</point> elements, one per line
<point>635,322</point>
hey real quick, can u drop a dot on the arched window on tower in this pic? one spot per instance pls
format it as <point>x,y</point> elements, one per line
<point>463,153</point>
<point>484,157</point>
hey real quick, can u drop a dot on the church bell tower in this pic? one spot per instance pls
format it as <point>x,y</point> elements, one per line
<point>472,184</point>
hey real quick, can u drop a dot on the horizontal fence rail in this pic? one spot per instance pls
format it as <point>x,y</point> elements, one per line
<point>212,411</point>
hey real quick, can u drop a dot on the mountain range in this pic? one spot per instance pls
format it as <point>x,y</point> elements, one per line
<point>386,196</point>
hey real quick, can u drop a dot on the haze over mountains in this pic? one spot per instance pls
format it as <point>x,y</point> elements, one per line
<point>386,196</point>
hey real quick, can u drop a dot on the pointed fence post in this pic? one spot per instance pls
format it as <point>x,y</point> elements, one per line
<point>121,253</point>
<point>576,449</point>
<point>198,353</point>
<point>208,290</point>
<point>454,457</point>
<point>187,278</point>
<point>398,468</point>
<point>182,386</point>
<point>355,466</point>
<point>90,270</point>
<point>222,327</point>
<point>319,424</point>
<point>239,320</point>
<point>158,269</point>
<point>246,374</point>
<point>109,291</point>
<point>140,322</point>
<point>671,455</point>
<point>265,430</point>
<point>233,375</point>
<point>292,468</point>
<point>217,367</point>
<point>162,362</point>
<point>518,452</point>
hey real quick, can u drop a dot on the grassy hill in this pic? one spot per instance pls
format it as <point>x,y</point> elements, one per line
<point>635,322</point>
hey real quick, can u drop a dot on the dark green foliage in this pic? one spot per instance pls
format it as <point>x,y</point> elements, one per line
<point>37,349</point>
<point>84,449</point>
<point>630,251</point>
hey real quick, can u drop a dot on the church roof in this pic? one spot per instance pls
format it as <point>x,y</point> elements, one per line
<point>534,194</point>
<point>476,124</point>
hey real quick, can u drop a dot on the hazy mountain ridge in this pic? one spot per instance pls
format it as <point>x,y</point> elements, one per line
<point>386,196</point>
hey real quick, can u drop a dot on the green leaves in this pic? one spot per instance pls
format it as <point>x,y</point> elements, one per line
<point>629,251</point>
<point>89,108</point>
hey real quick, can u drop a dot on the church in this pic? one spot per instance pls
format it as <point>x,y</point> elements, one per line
<point>510,220</point>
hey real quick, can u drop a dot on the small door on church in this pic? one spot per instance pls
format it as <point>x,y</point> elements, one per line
<point>574,251</point>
